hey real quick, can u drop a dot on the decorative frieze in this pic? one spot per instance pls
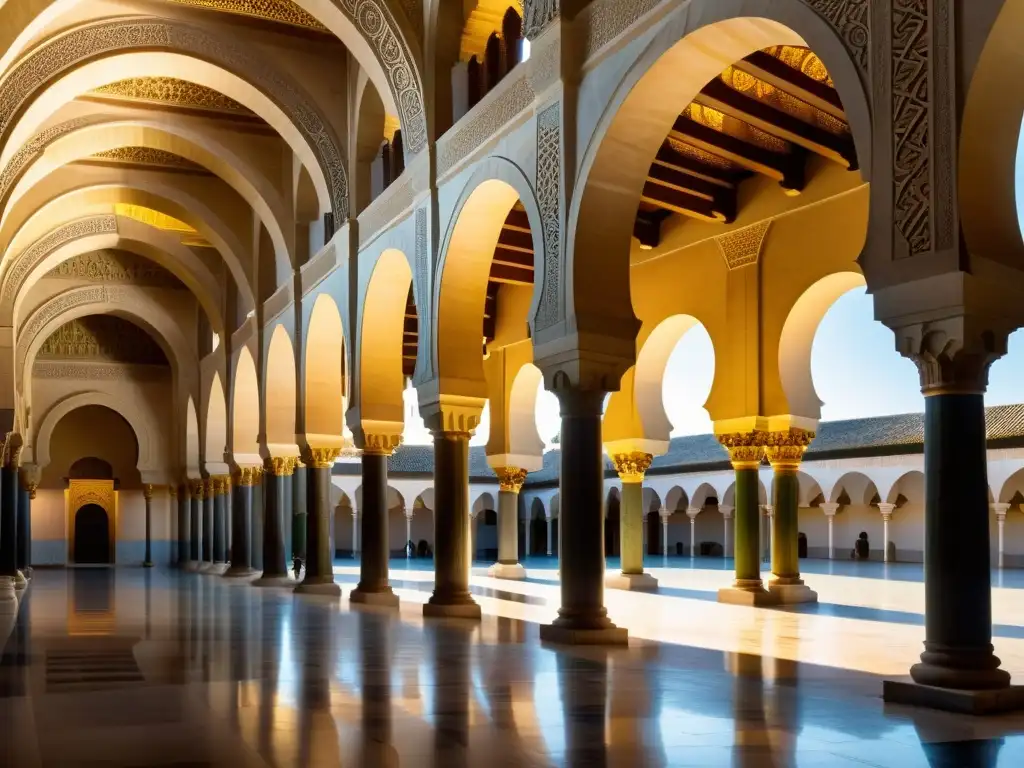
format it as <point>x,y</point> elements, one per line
<point>742,247</point>
<point>280,11</point>
<point>113,266</point>
<point>87,371</point>
<point>102,337</point>
<point>549,196</point>
<point>149,157</point>
<point>172,92</point>
<point>851,20</point>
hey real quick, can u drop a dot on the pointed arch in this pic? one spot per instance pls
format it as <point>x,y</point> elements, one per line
<point>325,371</point>
<point>245,407</point>
<point>191,438</point>
<point>280,388</point>
<point>216,422</point>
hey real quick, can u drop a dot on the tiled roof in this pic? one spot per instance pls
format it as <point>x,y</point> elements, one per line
<point>879,435</point>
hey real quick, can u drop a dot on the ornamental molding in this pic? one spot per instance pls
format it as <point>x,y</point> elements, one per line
<point>99,492</point>
<point>549,199</point>
<point>113,266</point>
<point>88,371</point>
<point>148,156</point>
<point>851,21</point>
<point>486,119</point>
<point>388,206</point>
<point>742,247</point>
<point>173,92</point>
<point>280,11</point>
<point>78,46</point>
<point>35,254</point>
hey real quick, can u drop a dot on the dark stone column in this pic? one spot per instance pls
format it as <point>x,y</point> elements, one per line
<point>147,559</point>
<point>26,492</point>
<point>208,526</point>
<point>275,567</point>
<point>241,513</point>
<point>300,503</point>
<point>195,523</point>
<point>9,522</point>
<point>510,481</point>
<point>582,617</point>
<point>183,525</point>
<point>256,527</point>
<point>784,451</point>
<point>319,577</point>
<point>287,513</point>
<point>373,587</point>
<point>451,528</point>
<point>221,501</point>
<point>746,450</point>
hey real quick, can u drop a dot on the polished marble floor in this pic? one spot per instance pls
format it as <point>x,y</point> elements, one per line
<point>135,668</point>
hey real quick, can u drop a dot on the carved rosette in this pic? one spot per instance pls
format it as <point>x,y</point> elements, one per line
<point>247,477</point>
<point>280,466</point>
<point>510,479</point>
<point>320,458</point>
<point>785,450</point>
<point>746,449</point>
<point>632,466</point>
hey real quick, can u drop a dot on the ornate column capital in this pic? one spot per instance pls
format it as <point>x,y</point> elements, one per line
<point>381,442</point>
<point>632,466</point>
<point>726,510</point>
<point>196,486</point>
<point>785,449</point>
<point>409,513</point>
<point>210,487</point>
<point>664,514</point>
<point>172,491</point>
<point>999,509</point>
<point>769,509</point>
<point>13,445</point>
<point>886,509</point>
<point>248,476</point>
<point>223,483</point>
<point>746,449</point>
<point>147,492</point>
<point>32,487</point>
<point>830,508</point>
<point>510,479</point>
<point>280,466</point>
<point>320,457</point>
<point>692,512</point>
<point>952,355</point>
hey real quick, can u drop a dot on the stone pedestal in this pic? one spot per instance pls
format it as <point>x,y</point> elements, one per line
<point>319,578</point>
<point>791,594</point>
<point>511,571</point>
<point>373,587</point>
<point>752,593</point>
<point>631,581</point>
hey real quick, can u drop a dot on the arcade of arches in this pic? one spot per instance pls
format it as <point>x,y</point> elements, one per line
<point>221,273</point>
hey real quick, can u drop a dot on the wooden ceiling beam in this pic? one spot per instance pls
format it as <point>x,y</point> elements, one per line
<point>723,199</point>
<point>715,175</point>
<point>680,201</point>
<point>503,255</point>
<point>771,70</point>
<point>753,111</point>
<point>787,169</point>
<point>510,274</point>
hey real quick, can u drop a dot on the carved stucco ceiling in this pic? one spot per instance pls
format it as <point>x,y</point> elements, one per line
<point>103,338</point>
<point>148,156</point>
<point>115,267</point>
<point>170,92</point>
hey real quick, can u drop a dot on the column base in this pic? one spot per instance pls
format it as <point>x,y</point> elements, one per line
<point>324,588</point>
<point>218,569</point>
<point>513,571</point>
<point>384,599</point>
<point>568,633</point>
<point>459,610</point>
<point>792,594</point>
<point>637,582</point>
<point>274,581</point>
<point>241,573</point>
<point>147,563</point>
<point>192,566</point>
<point>990,702</point>
<point>8,597</point>
<point>20,582</point>
<point>204,567</point>
<point>747,593</point>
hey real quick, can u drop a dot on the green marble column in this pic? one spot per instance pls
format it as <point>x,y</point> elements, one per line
<point>451,595</point>
<point>582,617</point>
<point>373,587</point>
<point>319,577</point>
<point>785,505</point>
<point>631,467</point>
<point>241,514</point>
<point>275,567</point>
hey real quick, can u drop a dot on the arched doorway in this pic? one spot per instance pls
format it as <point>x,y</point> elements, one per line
<point>653,533</point>
<point>611,525</point>
<point>92,536</point>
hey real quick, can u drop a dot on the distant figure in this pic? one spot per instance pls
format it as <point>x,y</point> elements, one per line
<point>410,549</point>
<point>861,548</point>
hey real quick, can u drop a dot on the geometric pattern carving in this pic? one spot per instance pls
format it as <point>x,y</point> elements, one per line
<point>148,156</point>
<point>743,246</point>
<point>114,266</point>
<point>537,14</point>
<point>71,49</point>
<point>99,492</point>
<point>911,124</point>
<point>468,136</point>
<point>102,337</point>
<point>58,305</point>
<point>282,11</point>
<point>549,193</point>
<point>38,251</point>
<point>610,18</point>
<point>86,371</point>
<point>851,20</point>
<point>170,91</point>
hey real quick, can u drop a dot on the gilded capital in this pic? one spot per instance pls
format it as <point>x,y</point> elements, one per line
<point>381,444</point>
<point>510,478</point>
<point>320,458</point>
<point>32,487</point>
<point>196,486</point>
<point>248,476</point>
<point>280,466</point>
<point>746,449</point>
<point>632,466</point>
<point>210,487</point>
<point>785,449</point>
<point>147,491</point>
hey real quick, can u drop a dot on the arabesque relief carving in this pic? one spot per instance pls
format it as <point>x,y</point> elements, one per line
<point>170,91</point>
<point>102,337</point>
<point>549,194</point>
<point>113,266</point>
<point>281,11</point>
<point>742,247</point>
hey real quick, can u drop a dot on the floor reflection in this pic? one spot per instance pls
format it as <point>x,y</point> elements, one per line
<point>229,675</point>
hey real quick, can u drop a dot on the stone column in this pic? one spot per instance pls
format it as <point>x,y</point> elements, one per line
<point>784,451</point>
<point>147,492</point>
<point>26,492</point>
<point>886,510</point>
<point>208,525</point>
<point>664,514</point>
<point>319,577</point>
<point>746,450</point>
<point>195,524</point>
<point>958,669</point>
<point>355,533</point>
<point>9,510</point>
<point>408,531</point>
<point>547,519</point>
<point>769,525</point>
<point>299,517</point>
<point>275,566</point>
<point>632,467</point>
<point>373,587</point>
<point>287,513</point>
<point>510,482</point>
<point>256,526</point>
<point>241,515</point>
<point>221,504</point>
<point>830,508</point>
<point>1000,510</point>
<point>726,511</point>
<point>451,528</point>
<point>692,512</point>
<point>582,617</point>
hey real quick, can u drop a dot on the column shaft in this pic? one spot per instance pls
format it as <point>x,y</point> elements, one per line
<point>451,528</point>
<point>195,522</point>
<point>256,525</point>
<point>183,525</point>
<point>373,584</point>
<point>631,528</point>
<point>147,560</point>
<point>208,525</point>
<point>582,616</point>
<point>831,539</point>
<point>9,522</point>
<point>221,502</point>
<point>275,566</point>
<point>319,550</point>
<point>958,588</point>
<point>287,513</point>
<point>745,538</point>
<point>299,513</point>
<point>508,527</point>
<point>241,533</point>
<point>550,534</point>
<point>785,511</point>
<point>24,528</point>
<point>664,536</point>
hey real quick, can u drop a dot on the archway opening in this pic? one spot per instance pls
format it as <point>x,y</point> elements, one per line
<point>325,372</point>
<point>674,374</point>
<point>92,536</point>
<point>611,524</point>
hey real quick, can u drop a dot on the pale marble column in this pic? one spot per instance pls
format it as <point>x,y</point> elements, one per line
<point>830,508</point>
<point>1000,510</point>
<point>549,534</point>
<point>510,482</point>
<point>408,532</point>
<point>886,510</point>
<point>355,533</point>
<point>692,512</point>
<point>665,515</point>
<point>726,511</point>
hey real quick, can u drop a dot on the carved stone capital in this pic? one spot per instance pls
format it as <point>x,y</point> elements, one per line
<point>32,487</point>
<point>147,492</point>
<point>248,476</point>
<point>451,414</point>
<point>952,355</point>
<point>196,488</point>
<point>320,457</point>
<point>785,449</point>
<point>510,479</point>
<point>746,449</point>
<point>381,444</point>
<point>13,445</point>
<point>281,466</point>
<point>1000,509</point>
<point>830,508</point>
<point>221,484</point>
<point>632,466</point>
